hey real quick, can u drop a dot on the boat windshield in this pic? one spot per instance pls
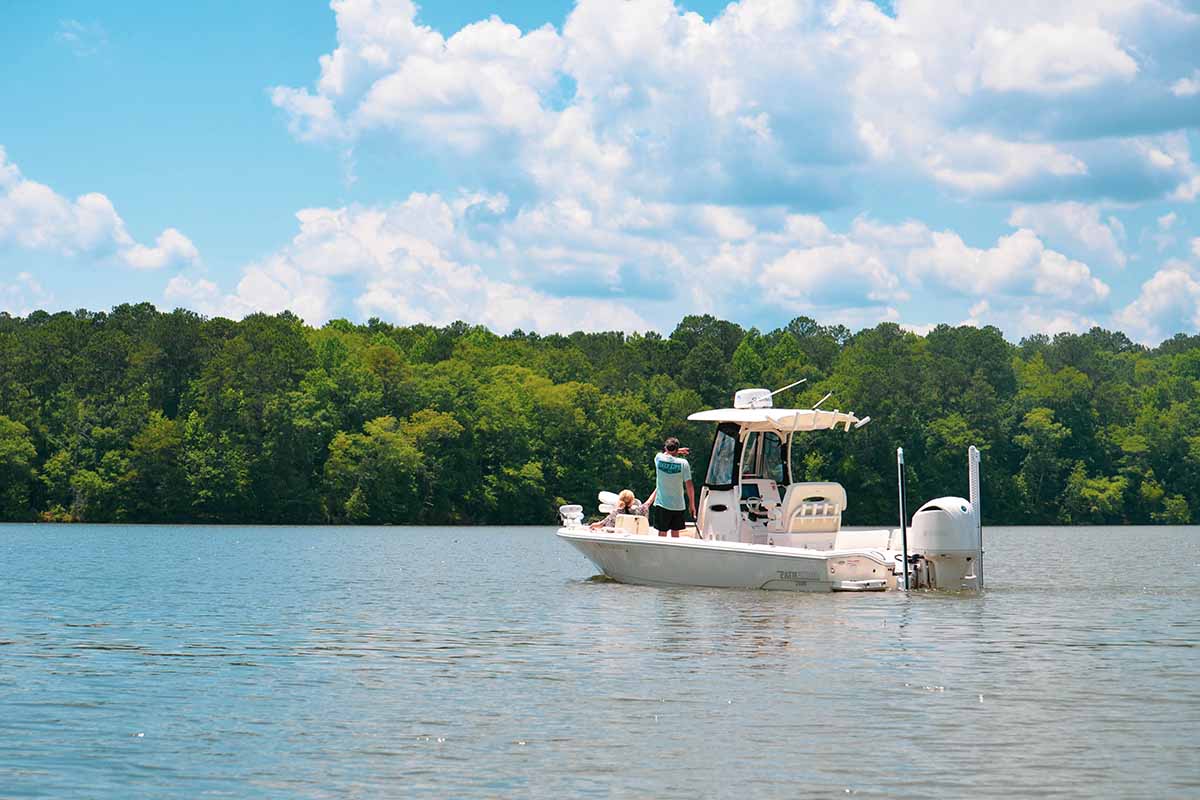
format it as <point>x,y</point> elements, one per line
<point>774,458</point>
<point>723,462</point>
<point>765,457</point>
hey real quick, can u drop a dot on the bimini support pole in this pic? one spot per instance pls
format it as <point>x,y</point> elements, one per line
<point>976,499</point>
<point>903,513</point>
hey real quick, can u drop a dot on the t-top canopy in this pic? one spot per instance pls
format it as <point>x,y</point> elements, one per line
<point>780,419</point>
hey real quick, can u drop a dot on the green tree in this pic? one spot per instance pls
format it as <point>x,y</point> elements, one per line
<point>1092,500</point>
<point>748,364</point>
<point>216,472</point>
<point>1041,439</point>
<point>17,455</point>
<point>154,488</point>
<point>373,476</point>
<point>447,468</point>
<point>135,414</point>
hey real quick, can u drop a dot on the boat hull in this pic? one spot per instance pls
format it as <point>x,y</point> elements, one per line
<point>662,561</point>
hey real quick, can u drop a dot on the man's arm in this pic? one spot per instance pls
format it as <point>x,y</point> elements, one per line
<point>691,490</point>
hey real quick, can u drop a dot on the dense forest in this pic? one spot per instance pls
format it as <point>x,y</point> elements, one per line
<point>144,416</point>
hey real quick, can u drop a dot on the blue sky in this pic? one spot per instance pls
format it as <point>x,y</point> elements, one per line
<point>557,165</point>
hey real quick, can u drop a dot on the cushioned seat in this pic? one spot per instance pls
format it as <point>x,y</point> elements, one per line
<point>811,508</point>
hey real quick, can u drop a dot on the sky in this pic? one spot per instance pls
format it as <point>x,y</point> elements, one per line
<point>608,164</point>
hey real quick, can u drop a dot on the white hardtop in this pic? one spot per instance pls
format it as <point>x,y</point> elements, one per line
<point>781,419</point>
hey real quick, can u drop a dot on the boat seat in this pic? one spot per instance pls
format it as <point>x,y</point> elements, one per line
<point>811,508</point>
<point>632,523</point>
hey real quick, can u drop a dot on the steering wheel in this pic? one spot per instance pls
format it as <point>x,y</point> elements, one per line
<point>754,505</point>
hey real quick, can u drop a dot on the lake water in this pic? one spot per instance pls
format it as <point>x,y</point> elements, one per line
<point>335,662</point>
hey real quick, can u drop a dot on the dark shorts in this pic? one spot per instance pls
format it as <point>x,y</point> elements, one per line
<point>664,519</point>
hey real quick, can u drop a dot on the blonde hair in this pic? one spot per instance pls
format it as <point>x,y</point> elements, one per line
<point>626,499</point>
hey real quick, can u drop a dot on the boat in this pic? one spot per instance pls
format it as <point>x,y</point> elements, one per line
<point>757,528</point>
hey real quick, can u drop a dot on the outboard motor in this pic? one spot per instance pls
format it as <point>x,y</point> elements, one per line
<point>946,535</point>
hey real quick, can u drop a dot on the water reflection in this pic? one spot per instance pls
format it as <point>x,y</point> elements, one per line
<point>315,663</point>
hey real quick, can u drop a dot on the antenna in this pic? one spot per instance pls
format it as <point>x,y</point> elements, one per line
<point>789,386</point>
<point>817,404</point>
<point>861,422</point>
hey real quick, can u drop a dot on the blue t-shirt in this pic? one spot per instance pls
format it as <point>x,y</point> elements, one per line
<point>672,473</point>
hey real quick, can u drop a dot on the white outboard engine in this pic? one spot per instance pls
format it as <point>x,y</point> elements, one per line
<point>946,535</point>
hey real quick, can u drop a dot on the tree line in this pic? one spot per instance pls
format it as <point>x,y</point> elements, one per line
<point>139,415</point>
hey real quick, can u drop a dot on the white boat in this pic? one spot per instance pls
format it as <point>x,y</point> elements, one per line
<point>756,528</point>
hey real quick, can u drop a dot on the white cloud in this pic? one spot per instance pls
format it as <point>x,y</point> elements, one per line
<point>1117,227</point>
<point>199,295</point>
<point>618,263</point>
<point>489,88</point>
<point>642,143</point>
<point>278,284</point>
<point>1019,265</point>
<point>1074,225</point>
<point>1049,321</point>
<point>1188,86</point>
<point>984,164</point>
<point>388,71</point>
<point>1161,235</point>
<point>922,329</point>
<point>1187,191</point>
<point>456,291</point>
<point>171,247</point>
<point>773,101</point>
<point>726,223</point>
<point>84,38</point>
<point>400,261</point>
<point>841,274</point>
<point>1026,100</point>
<point>978,310</point>
<point>1051,58</point>
<point>271,286</point>
<point>311,116</point>
<point>1169,302</point>
<point>23,295</point>
<point>1020,319</point>
<point>485,80</point>
<point>35,217</point>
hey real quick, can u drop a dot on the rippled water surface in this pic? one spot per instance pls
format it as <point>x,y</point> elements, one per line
<point>323,662</point>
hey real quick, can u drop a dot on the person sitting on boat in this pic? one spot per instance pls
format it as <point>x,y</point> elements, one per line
<point>626,504</point>
<point>673,475</point>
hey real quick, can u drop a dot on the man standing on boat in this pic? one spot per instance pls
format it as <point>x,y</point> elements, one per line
<point>673,474</point>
